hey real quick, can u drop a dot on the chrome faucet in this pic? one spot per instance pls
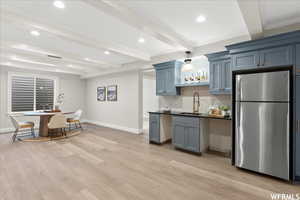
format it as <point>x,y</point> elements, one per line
<point>196,108</point>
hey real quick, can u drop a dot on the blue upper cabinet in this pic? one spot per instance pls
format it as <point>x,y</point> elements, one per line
<point>166,74</point>
<point>270,57</point>
<point>298,59</point>
<point>274,51</point>
<point>220,73</point>
<point>273,57</point>
<point>248,60</point>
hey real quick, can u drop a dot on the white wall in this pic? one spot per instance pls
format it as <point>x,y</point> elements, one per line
<point>72,86</point>
<point>150,100</point>
<point>124,114</point>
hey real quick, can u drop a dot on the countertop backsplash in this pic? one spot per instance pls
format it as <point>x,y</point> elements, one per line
<point>184,102</point>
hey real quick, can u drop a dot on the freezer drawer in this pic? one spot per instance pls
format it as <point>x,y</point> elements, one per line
<point>262,138</point>
<point>268,86</point>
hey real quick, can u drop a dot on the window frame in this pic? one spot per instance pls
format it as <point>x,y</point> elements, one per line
<point>34,76</point>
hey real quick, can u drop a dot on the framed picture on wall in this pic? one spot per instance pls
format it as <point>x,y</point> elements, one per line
<point>112,93</point>
<point>101,93</point>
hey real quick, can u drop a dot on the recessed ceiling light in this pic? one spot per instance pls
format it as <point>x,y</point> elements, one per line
<point>35,33</point>
<point>106,52</point>
<point>141,40</point>
<point>87,59</point>
<point>200,19</point>
<point>59,4</point>
<point>7,63</point>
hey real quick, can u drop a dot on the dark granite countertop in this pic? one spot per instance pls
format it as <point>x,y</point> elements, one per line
<point>187,114</point>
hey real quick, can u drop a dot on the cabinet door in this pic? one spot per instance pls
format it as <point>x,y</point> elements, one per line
<point>215,76</point>
<point>249,60</point>
<point>160,81</point>
<point>298,59</point>
<point>178,135</point>
<point>279,56</point>
<point>154,128</point>
<point>192,138</point>
<point>297,134</point>
<point>226,76</point>
<point>170,81</point>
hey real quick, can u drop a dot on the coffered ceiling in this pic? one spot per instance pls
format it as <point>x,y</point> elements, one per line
<point>91,37</point>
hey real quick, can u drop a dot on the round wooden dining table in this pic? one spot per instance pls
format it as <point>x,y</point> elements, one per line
<point>44,120</point>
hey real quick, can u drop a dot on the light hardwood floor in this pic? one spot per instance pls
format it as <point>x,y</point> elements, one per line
<point>108,164</point>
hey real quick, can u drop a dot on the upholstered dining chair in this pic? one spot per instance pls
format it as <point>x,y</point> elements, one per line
<point>75,119</point>
<point>58,121</point>
<point>21,127</point>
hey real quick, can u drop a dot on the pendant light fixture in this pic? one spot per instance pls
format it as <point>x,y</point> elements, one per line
<point>187,66</point>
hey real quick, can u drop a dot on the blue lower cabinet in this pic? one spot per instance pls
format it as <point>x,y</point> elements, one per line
<point>177,135</point>
<point>154,128</point>
<point>186,133</point>
<point>298,59</point>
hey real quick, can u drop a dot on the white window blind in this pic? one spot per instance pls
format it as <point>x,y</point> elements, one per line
<point>31,93</point>
<point>22,94</point>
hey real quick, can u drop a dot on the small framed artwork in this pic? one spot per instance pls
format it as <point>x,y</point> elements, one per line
<point>112,93</point>
<point>101,93</point>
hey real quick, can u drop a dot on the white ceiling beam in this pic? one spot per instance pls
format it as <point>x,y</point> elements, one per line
<point>198,51</point>
<point>67,57</point>
<point>282,29</point>
<point>68,35</point>
<point>156,29</point>
<point>250,11</point>
<point>29,62</point>
<point>31,67</point>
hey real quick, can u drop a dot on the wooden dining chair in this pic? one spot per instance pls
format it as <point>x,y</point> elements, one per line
<point>21,127</point>
<point>75,120</point>
<point>59,122</point>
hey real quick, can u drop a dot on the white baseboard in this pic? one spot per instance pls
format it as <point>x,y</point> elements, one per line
<point>122,128</point>
<point>6,130</point>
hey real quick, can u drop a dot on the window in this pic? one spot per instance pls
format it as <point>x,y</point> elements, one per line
<point>31,93</point>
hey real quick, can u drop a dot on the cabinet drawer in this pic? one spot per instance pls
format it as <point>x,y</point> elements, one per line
<point>247,60</point>
<point>298,59</point>
<point>186,121</point>
<point>274,57</point>
<point>154,117</point>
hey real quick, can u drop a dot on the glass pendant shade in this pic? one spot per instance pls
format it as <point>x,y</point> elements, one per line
<point>187,67</point>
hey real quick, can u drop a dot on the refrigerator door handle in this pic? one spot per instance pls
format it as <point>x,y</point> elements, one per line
<point>238,89</point>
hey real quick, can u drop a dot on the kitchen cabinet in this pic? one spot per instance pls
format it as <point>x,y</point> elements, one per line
<point>166,75</point>
<point>154,128</point>
<point>215,76</point>
<point>187,133</point>
<point>274,57</point>
<point>220,73</point>
<point>227,76</point>
<point>298,59</point>
<point>270,57</point>
<point>248,60</point>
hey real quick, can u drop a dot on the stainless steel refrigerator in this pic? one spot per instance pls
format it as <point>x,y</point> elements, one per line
<point>262,106</point>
